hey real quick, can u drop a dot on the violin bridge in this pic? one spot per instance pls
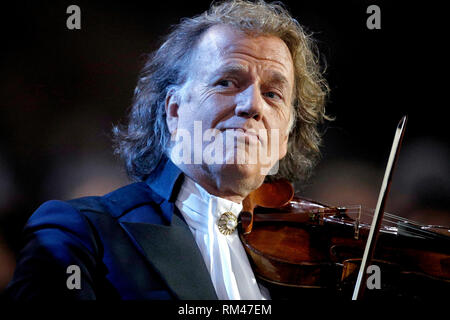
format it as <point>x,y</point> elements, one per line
<point>315,216</point>
<point>352,213</point>
<point>356,223</point>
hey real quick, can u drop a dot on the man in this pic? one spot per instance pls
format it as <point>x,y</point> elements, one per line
<point>242,70</point>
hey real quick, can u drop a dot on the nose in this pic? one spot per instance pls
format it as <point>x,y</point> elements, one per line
<point>249,103</point>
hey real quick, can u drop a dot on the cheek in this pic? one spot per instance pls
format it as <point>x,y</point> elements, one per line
<point>284,137</point>
<point>216,109</point>
<point>277,126</point>
<point>283,145</point>
<point>277,119</point>
<point>185,119</point>
<point>279,139</point>
<point>208,113</point>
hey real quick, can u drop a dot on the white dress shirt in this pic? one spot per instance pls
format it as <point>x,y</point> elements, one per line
<point>224,255</point>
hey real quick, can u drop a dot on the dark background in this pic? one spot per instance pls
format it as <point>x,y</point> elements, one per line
<point>62,90</point>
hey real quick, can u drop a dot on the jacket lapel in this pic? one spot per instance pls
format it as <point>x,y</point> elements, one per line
<point>173,253</point>
<point>167,242</point>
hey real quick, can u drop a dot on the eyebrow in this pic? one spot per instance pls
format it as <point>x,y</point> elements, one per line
<point>232,69</point>
<point>274,76</point>
<point>278,77</point>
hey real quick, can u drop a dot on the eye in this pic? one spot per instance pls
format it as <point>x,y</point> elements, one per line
<point>272,95</point>
<point>225,83</point>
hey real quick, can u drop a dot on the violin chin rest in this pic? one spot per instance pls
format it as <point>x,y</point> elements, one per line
<point>274,194</point>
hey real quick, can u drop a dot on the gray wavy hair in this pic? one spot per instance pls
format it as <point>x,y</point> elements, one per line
<point>146,138</point>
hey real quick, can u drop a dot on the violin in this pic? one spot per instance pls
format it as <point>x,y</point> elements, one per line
<point>302,248</point>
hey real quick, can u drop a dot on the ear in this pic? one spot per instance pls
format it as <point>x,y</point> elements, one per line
<point>172,106</point>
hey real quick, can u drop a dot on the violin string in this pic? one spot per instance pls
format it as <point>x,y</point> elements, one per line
<point>416,230</point>
<point>420,232</point>
<point>385,222</point>
<point>409,225</point>
<point>370,212</point>
<point>412,229</point>
<point>400,218</point>
<point>392,216</point>
<point>371,215</point>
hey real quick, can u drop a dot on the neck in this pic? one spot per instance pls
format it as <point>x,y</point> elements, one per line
<point>224,185</point>
<point>231,196</point>
<point>218,189</point>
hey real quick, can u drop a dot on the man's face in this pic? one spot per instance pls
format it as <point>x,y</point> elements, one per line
<point>236,81</point>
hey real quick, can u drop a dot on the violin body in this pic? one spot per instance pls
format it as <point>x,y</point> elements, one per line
<point>306,248</point>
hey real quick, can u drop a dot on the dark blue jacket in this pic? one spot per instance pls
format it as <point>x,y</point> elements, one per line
<point>129,244</point>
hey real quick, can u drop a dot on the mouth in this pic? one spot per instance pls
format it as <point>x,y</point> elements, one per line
<point>248,134</point>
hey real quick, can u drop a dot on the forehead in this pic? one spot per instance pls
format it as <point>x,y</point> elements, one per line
<point>220,44</point>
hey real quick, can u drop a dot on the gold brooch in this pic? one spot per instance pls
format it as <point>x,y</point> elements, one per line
<point>227,223</point>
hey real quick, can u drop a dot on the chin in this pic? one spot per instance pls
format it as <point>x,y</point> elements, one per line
<point>246,176</point>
